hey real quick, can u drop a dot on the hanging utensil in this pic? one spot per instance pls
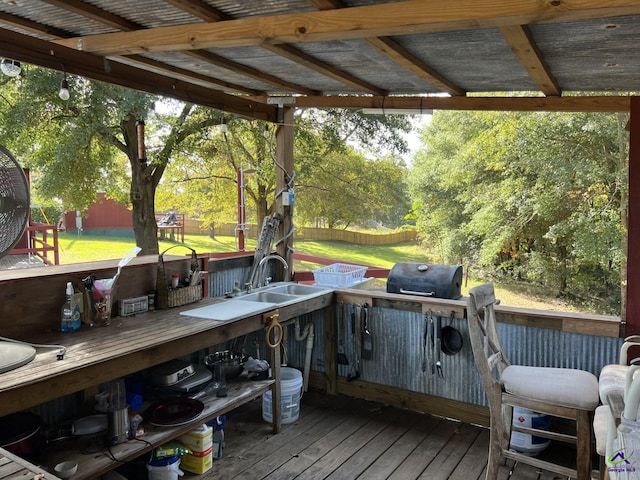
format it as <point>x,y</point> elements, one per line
<point>355,369</point>
<point>451,338</point>
<point>438,346</point>
<point>425,338</point>
<point>367,340</point>
<point>342,357</point>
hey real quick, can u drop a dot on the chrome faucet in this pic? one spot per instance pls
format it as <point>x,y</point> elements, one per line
<point>262,266</point>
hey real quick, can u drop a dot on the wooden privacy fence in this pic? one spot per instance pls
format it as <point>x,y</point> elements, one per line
<point>194,227</point>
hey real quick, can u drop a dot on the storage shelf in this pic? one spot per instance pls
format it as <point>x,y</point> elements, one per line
<point>92,465</point>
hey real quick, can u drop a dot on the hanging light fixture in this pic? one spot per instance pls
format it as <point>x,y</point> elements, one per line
<point>223,126</point>
<point>11,68</point>
<point>63,93</point>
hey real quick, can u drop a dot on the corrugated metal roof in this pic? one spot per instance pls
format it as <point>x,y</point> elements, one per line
<point>578,48</point>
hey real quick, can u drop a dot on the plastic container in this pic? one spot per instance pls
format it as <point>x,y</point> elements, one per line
<point>339,275</point>
<point>70,314</point>
<point>165,469</point>
<point>198,462</point>
<point>529,444</point>
<point>291,394</point>
<point>199,439</point>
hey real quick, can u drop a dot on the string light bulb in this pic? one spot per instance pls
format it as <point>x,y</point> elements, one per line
<point>11,68</point>
<point>63,93</point>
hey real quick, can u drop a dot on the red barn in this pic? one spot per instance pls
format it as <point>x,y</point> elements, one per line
<point>105,216</point>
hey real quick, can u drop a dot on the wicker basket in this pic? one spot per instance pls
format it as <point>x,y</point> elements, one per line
<point>167,298</point>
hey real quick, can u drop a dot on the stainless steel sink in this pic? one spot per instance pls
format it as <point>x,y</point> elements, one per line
<point>261,300</point>
<point>268,297</point>
<point>298,289</point>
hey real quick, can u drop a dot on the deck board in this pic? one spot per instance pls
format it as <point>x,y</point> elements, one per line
<point>342,438</point>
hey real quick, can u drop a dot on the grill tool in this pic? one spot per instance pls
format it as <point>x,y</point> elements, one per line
<point>367,340</point>
<point>342,357</point>
<point>425,338</point>
<point>437,345</point>
<point>355,369</point>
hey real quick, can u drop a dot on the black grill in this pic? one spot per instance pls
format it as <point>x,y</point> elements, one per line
<point>427,280</point>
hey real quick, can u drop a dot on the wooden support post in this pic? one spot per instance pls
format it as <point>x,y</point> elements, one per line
<point>632,314</point>
<point>284,174</point>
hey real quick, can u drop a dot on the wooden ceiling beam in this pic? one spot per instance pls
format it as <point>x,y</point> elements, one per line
<point>286,51</point>
<point>55,57</point>
<point>22,24</point>
<point>327,4</point>
<point>200,9</point>
<point>162,68</point>
<point>407,60</point>
<point>521,42</point>
<point>94,13</point>
<point>324,68</point>
<point>425,104</point>
<point>250,72</point>
<point>400,18</point>
<point>392,50</point>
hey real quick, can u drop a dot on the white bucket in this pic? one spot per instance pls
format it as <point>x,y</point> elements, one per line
<point>290,395</point>
<point>167,469</point>
<point>528,444</point>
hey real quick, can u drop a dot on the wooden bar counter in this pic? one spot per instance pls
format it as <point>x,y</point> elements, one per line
<point>96,355</point>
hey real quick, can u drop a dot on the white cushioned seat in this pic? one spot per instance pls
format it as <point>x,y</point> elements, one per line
<point>561,386</point>
<point>612,381</point>
<point>600,427</point>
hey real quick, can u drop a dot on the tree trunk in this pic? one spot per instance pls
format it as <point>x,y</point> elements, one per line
<point>562,260</point>
<point>142,193</point>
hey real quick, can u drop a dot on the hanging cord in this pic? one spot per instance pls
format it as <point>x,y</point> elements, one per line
<point>289,186</point>
<point>274,327</point>
<point>62,349</point>
<point>283,346</point>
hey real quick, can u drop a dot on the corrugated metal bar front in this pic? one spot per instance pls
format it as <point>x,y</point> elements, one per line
<point>222,282</point>
<point>398,352</point>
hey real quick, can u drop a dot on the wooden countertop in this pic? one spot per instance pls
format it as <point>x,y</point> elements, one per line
<point>574,322</point>
<point>98,354</point>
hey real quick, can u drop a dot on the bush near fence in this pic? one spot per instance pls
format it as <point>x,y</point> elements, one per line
<point>194,227</point>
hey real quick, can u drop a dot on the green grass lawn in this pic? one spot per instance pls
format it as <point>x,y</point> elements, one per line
<point>86,248</point>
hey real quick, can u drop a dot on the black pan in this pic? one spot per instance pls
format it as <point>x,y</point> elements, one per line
<point>451,340</point>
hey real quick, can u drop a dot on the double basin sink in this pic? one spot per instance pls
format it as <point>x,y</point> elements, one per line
<point>263,299</point>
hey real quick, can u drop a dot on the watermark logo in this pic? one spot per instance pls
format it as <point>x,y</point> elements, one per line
<point>620,462</point>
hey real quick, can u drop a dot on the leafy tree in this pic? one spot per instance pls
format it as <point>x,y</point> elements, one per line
<point>332,182</point>
<point>90,143</point>
<point>533,196</point>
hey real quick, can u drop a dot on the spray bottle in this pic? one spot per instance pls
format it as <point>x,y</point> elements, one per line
<point>70,314</point>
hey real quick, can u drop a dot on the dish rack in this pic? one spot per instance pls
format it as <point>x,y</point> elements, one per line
<point>176,297</point>
<point>339,275</point>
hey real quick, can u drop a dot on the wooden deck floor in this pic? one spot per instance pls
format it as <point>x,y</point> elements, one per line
<point>9,262</point>
<point>341,438</point>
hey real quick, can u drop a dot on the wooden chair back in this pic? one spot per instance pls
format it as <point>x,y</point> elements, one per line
<point>487,348</point>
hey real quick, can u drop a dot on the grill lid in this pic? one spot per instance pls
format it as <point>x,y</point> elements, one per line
<point>427,280</point>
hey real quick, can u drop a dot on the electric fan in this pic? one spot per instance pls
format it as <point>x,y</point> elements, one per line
<point>14,217</point>
<point>14,201</point>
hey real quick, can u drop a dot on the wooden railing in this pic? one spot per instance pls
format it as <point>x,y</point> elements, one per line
<point>42,240</point>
